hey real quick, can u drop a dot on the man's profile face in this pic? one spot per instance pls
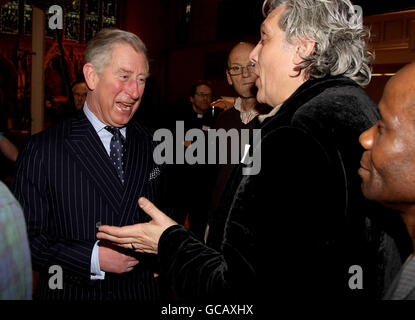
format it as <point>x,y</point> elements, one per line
<point>202,98</point>
<point>274,62</point>
<point>388,164</point>
<point>120,86</point>
<point>79,92</point>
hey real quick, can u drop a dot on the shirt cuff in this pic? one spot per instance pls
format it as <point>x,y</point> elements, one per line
<point>96,272</point>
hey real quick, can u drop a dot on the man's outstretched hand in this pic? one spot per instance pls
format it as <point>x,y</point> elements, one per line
<point>141,237</point>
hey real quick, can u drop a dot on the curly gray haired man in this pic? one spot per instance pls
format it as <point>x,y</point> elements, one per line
<point>337,31</point>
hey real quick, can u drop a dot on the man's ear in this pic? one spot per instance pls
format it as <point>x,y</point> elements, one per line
<point>304,49</point>
<point>228,76</point>
<point>91,76</point>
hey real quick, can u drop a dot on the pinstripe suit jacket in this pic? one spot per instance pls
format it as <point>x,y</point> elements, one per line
<point>66,185</point>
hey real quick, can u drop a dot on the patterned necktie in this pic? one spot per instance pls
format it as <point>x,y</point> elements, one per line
<point>117,147</point>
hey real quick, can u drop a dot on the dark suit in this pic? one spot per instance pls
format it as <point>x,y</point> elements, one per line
<point>66,185</point>
<point>301,222</point>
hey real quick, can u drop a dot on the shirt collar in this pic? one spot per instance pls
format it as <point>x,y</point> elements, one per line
<point>96,123</point>
<point>274,110</point>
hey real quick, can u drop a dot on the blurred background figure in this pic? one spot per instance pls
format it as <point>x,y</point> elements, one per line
<point>8,157</point>
<point>201,115</point>
<point>15,263</point>
<point>195,180</point>
<point>7,148</point>
<point>79,91</point>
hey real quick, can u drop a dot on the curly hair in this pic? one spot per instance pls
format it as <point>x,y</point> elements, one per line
<point>338,32</point>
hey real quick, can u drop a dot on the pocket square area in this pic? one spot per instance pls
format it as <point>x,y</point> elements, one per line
<point>154,173</point>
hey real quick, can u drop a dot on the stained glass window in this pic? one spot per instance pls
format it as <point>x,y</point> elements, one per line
<point>10,18</point>
<point>92,18</point>
<point>109,13</point>
<point>72,12</point>
<point>27,19</point>
<point>96,14</point>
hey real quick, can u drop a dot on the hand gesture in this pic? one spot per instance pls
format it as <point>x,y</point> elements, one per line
<point>224,102</point>
<point>141,237</point>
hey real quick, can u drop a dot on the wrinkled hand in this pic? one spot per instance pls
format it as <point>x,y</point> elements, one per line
<point>112,260</point>
<point>224,102</point>
<point>142,237</point>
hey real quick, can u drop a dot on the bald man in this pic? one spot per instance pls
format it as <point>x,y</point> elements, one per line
<point>240,76</point>
<point>388,165</point>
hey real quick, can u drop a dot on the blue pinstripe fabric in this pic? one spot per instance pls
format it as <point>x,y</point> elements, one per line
<point>66,183</point>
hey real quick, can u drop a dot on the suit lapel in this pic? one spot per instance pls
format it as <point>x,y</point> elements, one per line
<point>138,166</point>
<point>87,148</point>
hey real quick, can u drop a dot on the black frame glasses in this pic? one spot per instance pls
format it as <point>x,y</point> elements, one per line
<point>236,70</point>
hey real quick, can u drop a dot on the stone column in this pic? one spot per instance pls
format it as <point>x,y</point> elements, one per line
<point>38,74</point>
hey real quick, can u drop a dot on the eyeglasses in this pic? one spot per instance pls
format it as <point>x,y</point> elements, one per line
<point>237,70</point>
<point>203,95</point>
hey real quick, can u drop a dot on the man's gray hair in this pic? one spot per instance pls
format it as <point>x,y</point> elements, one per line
<point>99,49</point>
<point>338,32</point>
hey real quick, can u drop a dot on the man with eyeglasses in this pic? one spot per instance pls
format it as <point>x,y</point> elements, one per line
<point>240,76</point>
<point>202,115</point>
<point>201,97</point>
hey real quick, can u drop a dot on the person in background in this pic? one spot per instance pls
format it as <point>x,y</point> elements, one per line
<point>87,171</point>
<point>15,263</point>
<point>8,149</point>
<point>79,92</point>
<point>388,166</point>
<point>8,157</point>
<point>190,185</point>
<point>200,114</point>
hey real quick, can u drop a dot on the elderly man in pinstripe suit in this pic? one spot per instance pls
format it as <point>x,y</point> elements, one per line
<point>90,170</point>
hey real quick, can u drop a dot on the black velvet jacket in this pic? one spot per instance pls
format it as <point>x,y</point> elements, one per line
<point>301,224</point>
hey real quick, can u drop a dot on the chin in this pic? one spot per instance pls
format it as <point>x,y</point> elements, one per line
<point>260,98</point>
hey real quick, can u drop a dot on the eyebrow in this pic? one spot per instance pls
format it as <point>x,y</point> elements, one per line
<point>145,74</point>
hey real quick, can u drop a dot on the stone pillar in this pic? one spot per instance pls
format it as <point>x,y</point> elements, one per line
<point>38,74</point>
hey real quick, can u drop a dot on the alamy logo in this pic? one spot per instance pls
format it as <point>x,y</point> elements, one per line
<point>56,280</point>
<point>217,143</point>
<point>56,20</point>
<point>356,280</point>
<point>358,12</point>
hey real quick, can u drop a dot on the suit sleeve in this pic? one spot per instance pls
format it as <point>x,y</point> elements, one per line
<point>31,188</point>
